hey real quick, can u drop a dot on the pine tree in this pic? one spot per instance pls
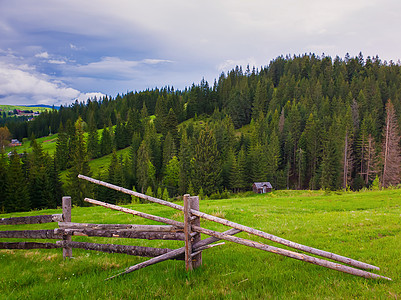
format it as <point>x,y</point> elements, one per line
<point>77,188</point>
<point>93,139</point>
<point>347,160</point>
<point>3,181</point>
<point>391,149</point>
<point>17,193</point>
<point>170,124</point>
<point>228,162</point>
<point>331,162</point>
<point>206,167</point>
<point>106,142</point>
<point>55,186</point>
<point>172,175</point>
<point>143,161</point>
<point>185,156</point>
<point>169,149</point>
<point>62,151</point>
<point>38,176</point>
<point>119,136</point>
<point>260,99</point>
<point>257,162</point>
<point>273,158</point>
<point>312,144</point>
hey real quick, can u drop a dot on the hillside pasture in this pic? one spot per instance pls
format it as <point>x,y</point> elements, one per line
<point>365,226</point>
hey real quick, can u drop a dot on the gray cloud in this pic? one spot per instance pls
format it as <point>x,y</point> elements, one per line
<point>131,45</point>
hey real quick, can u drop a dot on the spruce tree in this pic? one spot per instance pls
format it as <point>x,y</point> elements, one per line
<point>185,156</point>
<point>106,142</point>
<point>206,165</point>
<point>77,188</point>
<point>38,176</point>
<point>172,175</point>
<point>169,149</point>
<point>93,147</point>
<point>273,158</point>
<point>142,171</point>
<point>62,151</point>
<point>3,181</point>
<point>17,193</point>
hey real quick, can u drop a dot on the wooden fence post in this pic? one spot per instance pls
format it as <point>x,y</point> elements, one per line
<point>194,204</point>
<point>187,233</point>
<point>67,251</point>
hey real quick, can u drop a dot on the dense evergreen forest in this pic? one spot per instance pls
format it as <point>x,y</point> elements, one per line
<point>302,122</point>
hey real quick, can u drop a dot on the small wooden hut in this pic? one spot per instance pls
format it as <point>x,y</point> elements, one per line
<point>262,187</point>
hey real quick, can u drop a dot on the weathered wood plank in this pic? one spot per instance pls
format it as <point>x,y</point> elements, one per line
<point>112,248</point>
<point>187,232</point>
<point>196,259</point>
<point>285,242</point>
<point>291,254</point>
<point>247,229</point>
<point>31,220</point>
<point>131,227</point>
<point>124,233</point>
<point>179,253</point>
<point>30,234</point>
<point>135,213</point>
<point>27,245</point>
<point>66,204</point>
<point>130,192</point>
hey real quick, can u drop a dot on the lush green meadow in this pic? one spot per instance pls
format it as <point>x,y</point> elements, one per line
<point>6,108</point>
<point>48,144</point>
<point>364,226</point>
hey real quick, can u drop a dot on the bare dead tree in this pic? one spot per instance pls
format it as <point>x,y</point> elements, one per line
<point>391,149</point>
<point>347,160</point>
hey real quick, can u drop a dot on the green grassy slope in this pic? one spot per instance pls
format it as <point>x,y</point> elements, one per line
<point>48,144</point>
<point>6,108</point>
<point>364,226</point>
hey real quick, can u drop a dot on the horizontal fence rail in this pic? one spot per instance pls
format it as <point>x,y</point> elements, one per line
<point>112,248</point>
<point>27,245</point>
<point>123,233</point>
<point>253,244</point>
<point>208,217</point>
<point>32,220</point>
<point>188,226</point>
<point>31,234</point>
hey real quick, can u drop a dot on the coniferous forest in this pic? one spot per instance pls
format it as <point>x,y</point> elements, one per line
<point>301,122</point>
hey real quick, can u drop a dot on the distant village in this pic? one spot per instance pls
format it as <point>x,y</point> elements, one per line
<point>21,113</point>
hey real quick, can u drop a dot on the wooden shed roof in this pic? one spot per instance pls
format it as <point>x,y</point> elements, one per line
<point>263,184</point>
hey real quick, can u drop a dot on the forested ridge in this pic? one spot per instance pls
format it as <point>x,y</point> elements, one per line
<point>302,122</point>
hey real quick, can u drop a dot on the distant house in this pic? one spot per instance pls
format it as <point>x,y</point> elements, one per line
<point>262,187</point>
<point>15,143</point>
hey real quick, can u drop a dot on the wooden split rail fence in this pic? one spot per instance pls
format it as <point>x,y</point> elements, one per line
<point>188,231</point>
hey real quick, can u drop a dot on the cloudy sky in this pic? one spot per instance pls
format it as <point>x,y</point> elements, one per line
<point>56,51</point>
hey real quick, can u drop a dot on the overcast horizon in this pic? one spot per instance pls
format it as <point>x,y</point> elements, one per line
<point>53,52</point>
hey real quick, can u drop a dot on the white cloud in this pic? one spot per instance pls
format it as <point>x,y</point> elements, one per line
<point>42,55</point>
<point>230,64</point>
<point>113,67</point>
<point>22,85</point>
<point>56,61</point>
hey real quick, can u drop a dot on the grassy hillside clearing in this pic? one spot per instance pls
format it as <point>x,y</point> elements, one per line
<point>364,226</point>
<point>7,108</point>
<point>48,145</point>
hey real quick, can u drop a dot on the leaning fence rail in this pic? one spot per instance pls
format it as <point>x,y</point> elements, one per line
<point>188,231</point>
<point>190,214</point>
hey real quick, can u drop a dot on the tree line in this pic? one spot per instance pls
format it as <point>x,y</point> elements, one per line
<point>300,122</point>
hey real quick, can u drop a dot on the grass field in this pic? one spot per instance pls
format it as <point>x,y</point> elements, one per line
<point>6,108</point>
<point>48,145</point>
<point>364,226</point>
